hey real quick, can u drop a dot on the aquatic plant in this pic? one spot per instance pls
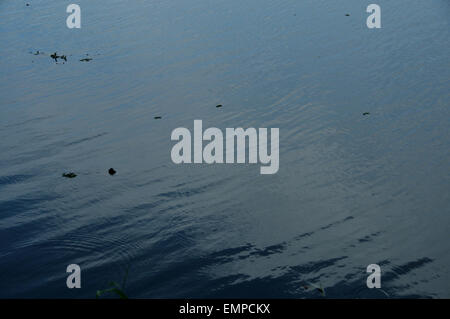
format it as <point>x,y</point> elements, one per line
<point>318,288</point>
<point>114,288</point>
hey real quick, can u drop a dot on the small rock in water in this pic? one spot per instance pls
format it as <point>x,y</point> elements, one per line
<point>220,105</point>
<point>69,175</point>
<point>157,117</point>
<point>366,113</point>
<point>112,171</point>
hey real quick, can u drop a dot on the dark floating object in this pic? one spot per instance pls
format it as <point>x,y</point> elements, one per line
<point>347,14</point>
<point>157,117</point>
<point>112,171</point>
<point>54,56</point>
<point>69,175</point>
<point>28,4</point>
<point>37,52</point>
<point>86,59</point>
<point>366,113</point>
<point>220,105</point>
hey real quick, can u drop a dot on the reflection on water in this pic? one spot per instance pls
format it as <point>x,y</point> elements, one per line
<point>352,190</point>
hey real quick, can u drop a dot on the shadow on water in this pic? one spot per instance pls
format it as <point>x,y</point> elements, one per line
<point>295,282</point>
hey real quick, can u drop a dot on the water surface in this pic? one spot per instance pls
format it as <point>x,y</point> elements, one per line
<point>352,190</point>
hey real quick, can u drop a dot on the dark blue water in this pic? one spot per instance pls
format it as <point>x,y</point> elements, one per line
<point>352,190</point>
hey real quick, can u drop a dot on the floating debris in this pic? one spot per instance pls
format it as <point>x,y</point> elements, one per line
<point>347,14</point>
<point>38,52</point>
<point>69,175</point>
<point>157,117</point>
<point>55,56</point>
<point>112,171</point>
<point>366,113</point>
<point>220,105</point>
<point>28,4</point>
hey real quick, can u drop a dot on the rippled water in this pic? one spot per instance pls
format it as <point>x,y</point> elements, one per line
<point>352,190</point>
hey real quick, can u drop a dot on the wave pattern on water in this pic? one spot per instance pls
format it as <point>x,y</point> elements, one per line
<point>352,190</point>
